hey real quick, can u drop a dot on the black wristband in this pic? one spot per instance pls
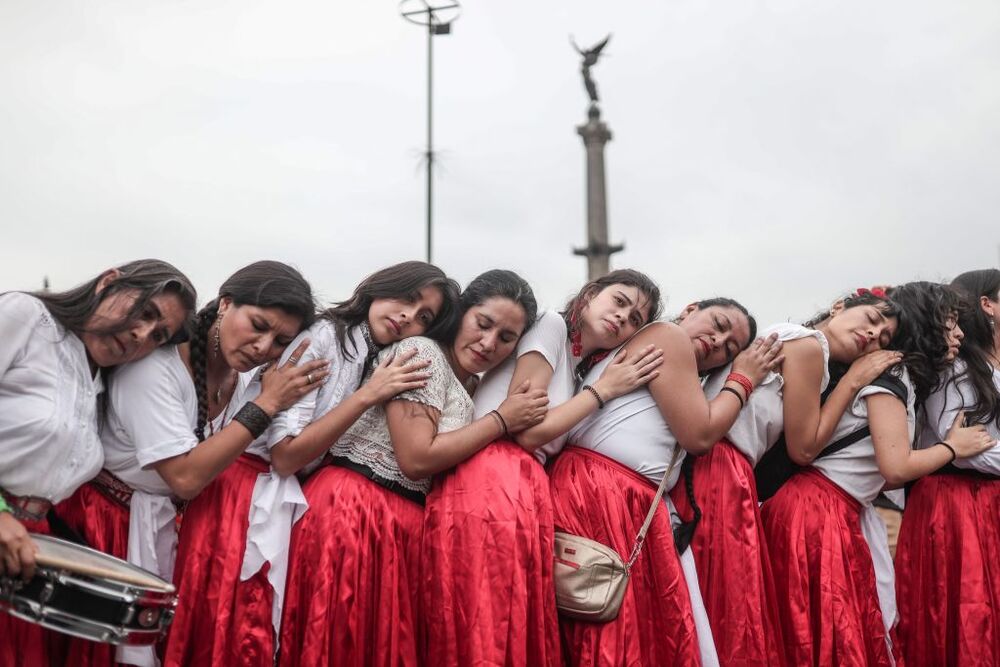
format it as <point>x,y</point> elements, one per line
<point>954,454</point>
<point>253,417</point>
<point>503,422</point>
<point>600,401</point>
<point>736,394</point>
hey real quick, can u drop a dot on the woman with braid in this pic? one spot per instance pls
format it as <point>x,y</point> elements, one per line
<point>734,571</point>
<point>57,350</point>
<point>947,576</point>
<point>604,482</point>
<point>177,419</point>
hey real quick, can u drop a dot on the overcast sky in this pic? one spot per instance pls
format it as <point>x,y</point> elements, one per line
<point>778,152</point>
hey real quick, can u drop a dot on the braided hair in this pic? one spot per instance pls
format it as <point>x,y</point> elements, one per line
<point>265,284</point>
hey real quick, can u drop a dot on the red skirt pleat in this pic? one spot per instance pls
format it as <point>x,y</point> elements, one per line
<point>24,644</point>
<point>598,498</point>
<point>103,523</point>
<point>488,593</point>
<point>220,620</point>
<point>824,576</point>
<point>730,551</point>
<point>352,590</point>
<point>946,573</point>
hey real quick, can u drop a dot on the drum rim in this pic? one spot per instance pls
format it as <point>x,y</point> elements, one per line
<point>167,588</point>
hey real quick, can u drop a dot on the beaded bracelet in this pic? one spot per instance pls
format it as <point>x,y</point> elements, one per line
<point>736,394</point>
<point>253,417</point>
<point>600,401</point>
<point>954,454</point>
<point>743,381</point>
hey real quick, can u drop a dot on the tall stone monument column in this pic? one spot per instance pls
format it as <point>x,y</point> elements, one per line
<point>595,134</point>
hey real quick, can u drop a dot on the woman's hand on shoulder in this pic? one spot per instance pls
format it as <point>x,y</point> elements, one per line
<point>395,374</point>
<point>763,356</point>
<point>629,371</point>
<point>524,407</point>
<point>282,386</point>
<point>968,441</point>
<point>866,368</point>
<point>17,549</point>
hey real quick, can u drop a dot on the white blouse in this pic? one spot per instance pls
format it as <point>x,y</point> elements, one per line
<point>941,408</point>
<point>631,430</point>
<point>549,338</point>
<point>854,467</point>
<point>762,419</point>
<point>49,441</point>
<point>368,441</point>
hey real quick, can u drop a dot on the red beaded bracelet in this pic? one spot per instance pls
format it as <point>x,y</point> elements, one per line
<point>743,381</point>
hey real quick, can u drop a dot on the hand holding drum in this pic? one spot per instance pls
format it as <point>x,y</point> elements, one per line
<point>17,550</point>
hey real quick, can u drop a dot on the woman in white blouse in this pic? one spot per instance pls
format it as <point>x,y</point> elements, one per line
<point>488,592</point>
<point>54,347</point>
<point>828,548</point>
<point>728,546</point>
<point>947,577</point>
<point>352,594</point>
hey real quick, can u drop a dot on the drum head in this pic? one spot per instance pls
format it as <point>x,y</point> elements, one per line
<point>71,557</point>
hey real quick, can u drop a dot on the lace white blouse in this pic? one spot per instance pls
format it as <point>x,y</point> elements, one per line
<point>49,440</point>
<point>368,441</point>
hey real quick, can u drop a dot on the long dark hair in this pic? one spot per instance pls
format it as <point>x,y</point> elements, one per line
<point>146,277</point>
<point>265,284</point>
<point>630,277</point>
<point>862,298</point>
<point>400,281</point>
<point>497,283</point>
<point>924,307</point>
<point>977,347</point>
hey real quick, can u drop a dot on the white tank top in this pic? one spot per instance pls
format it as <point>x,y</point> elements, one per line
<point>762,420</point>
<point>630,430</point>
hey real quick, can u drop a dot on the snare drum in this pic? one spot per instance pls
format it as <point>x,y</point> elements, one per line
<point>88,594</point>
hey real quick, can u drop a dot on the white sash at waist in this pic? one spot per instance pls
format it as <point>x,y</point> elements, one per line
<point>877,537</point>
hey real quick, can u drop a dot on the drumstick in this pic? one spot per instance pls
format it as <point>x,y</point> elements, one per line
<point>48,560</point>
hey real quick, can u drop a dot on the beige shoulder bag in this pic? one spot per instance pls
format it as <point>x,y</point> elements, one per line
<point>591,577</point>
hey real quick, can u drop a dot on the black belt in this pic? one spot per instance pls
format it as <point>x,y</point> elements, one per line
<point>952,469</point>
<point>388,484</point>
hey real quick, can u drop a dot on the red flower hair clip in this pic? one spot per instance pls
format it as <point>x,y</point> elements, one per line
<point>874,291</point>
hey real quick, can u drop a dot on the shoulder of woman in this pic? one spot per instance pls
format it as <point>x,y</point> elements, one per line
<point>660,333</point>
<point>425,347</point>
<point>21,306</point>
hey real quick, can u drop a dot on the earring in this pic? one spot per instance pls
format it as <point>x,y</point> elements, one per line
<point>216,344</point>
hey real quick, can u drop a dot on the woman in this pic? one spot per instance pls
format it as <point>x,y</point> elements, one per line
<point>947,582</point>
<point>488,534</point>
<point>352,587</point>
<point>407,299</point>
<point>603,484</point>
<point>57,348</point>
<point>258,312</point>
<point>827,545</point>
<point>729,548</point>
<point>128,509</point>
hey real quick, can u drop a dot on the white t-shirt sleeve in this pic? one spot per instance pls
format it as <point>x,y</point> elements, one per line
<point>19,314</point>
<point>942,408</point>
<point>291,422</point>
<point>149,405</point>
<point>547,337</point>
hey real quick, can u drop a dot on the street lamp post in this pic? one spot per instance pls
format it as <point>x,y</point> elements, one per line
<point>437,16</point>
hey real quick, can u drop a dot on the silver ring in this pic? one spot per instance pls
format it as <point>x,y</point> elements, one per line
<point>309,377</point>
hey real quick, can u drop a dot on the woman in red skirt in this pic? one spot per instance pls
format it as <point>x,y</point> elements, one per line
<point>734,570</point>
<point>353,584</point>
<point>259,311</point>
<point>54,352</point>
<point>488,593</point>
<point>828,547</point>
<point>603,483</point>
<point>947,577</point>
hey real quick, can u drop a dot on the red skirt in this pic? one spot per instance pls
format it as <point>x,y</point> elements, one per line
<point>823,571</point>
<point>596,497</point>
<point>24,644</point>
<point>730,550</point>
<point>103,523</point>
<point>488,594</point>
<point>220,620</point>
<point>946,572</point>
<point>351,595</point>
